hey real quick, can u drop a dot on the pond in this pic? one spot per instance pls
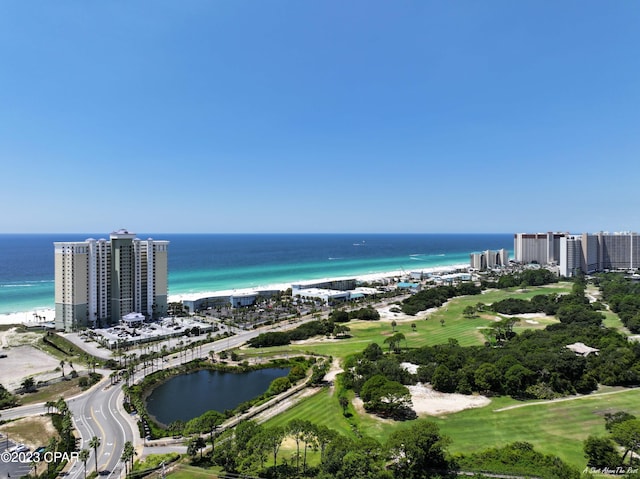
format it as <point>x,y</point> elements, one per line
<point>190,395</point>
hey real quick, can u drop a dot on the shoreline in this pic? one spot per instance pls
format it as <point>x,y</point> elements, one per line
<point>48,314</point>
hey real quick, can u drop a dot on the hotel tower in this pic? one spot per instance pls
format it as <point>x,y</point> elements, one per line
<point>97,282</point>
<point>586,252</point>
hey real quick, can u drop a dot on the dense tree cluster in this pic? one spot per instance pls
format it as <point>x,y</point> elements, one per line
<point>518,458</point>
<point>359,368</point>
<point>436,296</point>
<point>307,330</point>
<point>534,364</point>
<point>6,398</point>
<point>387,398</point>
<point>281,338</point>
<point>413,453</point>
<point>623,296</point>
<point>528,277</point>
<point>416,451</point>
<point>363,314</point>
<point>624,431</point>
<point>569,308</point>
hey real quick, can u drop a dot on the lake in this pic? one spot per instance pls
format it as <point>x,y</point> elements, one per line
<point>190,395</point>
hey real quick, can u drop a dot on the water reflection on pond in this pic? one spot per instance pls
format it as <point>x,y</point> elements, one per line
<point>190,395</point>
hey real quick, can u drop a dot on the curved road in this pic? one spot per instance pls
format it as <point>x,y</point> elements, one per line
<point>99,411</point>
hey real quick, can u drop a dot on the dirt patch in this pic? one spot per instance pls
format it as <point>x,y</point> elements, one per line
<point>12,338</point>
<point>25,361</point>
<point>34,431</point>
<point>334,370</point>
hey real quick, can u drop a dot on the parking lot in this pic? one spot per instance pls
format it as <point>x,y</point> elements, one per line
<point>14,458</point>
<point>126,335</point>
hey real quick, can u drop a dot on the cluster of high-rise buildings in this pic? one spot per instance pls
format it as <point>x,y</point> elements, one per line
<point>572,253</point>
<point>489,259</point>
<point>98,282</point>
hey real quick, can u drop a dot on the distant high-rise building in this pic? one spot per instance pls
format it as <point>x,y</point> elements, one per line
<point>489,259</point>
<point>585,252</point>
<point>97,282</point>
<point>541,248</point>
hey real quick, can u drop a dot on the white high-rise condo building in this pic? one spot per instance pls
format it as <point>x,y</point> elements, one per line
<point>97,282</point>
<point>489,259</point>
<point>585,252</point>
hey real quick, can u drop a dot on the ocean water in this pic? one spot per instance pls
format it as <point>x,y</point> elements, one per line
<point>215,262</point>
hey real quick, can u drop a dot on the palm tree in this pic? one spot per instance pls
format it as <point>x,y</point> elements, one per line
<point>50,405</point>
<point>52,446</point>
<point>84,456</point>
<point>127,456</point>
<point>62,366</point>
<point>95,444</point>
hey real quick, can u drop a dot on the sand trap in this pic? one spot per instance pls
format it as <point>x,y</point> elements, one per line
<point>387,315</point>
<point>531,321</point>
<point>427,401</point>
<point>528,316</point>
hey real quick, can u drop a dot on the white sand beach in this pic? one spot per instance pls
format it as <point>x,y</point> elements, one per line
<point>45,315</point>
<point>30,318</point>
<point>371,277</point>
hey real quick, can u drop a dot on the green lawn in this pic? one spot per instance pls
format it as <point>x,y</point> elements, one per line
<point>183,471</point>
<point>553,428</point>
<point>557,428</point>
<point>429,331</point>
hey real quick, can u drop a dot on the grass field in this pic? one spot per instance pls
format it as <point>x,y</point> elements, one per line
<point>183,471</point>
<point>52,392</point>
<point>429,329</point>
<point>553,427</point>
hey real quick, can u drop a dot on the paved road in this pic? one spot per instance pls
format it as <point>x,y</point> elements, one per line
<point>99,412</point>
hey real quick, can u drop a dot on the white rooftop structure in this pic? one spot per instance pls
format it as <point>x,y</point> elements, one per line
<point>582,349</point>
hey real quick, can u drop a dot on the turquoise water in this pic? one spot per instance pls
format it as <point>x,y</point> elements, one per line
<point>215,262</point>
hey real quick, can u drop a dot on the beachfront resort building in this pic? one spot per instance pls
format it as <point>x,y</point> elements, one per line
<point>99,282</point>
<point>588,253</point>
<point>489,259</point>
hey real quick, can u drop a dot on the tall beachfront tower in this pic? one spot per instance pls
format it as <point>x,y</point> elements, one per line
<point>97,282</point>
<point>586,252</point>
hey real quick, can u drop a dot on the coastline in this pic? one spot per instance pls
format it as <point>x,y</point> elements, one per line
<point>30,318</point>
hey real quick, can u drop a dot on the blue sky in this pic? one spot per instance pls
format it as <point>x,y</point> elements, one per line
<point>319,116</point>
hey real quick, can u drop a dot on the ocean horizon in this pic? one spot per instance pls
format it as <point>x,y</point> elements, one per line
<point>202,262</point>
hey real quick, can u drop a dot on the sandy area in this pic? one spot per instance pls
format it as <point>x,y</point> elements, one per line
<point>34,318</point>
<point>427,401</point>
<point>334,370</point>
<point>529,316</point>
<point>30,318</point>
<point>23,361</point>
<point>32,431</point>
<point>283,286</point>
<point>387,315</point>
